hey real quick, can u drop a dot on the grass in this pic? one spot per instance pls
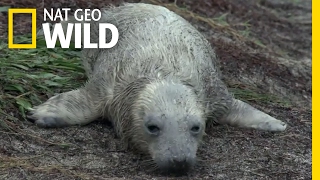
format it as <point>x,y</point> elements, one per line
<point>29,76</point>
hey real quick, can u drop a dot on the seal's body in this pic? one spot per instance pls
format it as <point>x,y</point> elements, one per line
<point>159,86</point>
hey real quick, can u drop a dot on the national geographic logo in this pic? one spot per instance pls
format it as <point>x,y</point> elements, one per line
<point>82,23</point>
<point>33,44</point>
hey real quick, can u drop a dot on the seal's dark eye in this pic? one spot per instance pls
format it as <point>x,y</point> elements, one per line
<point>153,129</point>
<point>195,129</point>
<point>153,124</point>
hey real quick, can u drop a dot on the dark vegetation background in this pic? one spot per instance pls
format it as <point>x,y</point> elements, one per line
<point>265,52</point>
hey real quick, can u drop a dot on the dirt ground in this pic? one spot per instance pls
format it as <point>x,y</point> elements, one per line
<point>264,46</point>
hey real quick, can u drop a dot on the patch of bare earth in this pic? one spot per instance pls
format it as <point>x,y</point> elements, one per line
<point>264,46</point>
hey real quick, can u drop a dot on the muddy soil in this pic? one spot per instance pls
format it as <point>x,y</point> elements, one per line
<point>264,46</point>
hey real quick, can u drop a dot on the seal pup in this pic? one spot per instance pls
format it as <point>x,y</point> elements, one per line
<point>160,87</point>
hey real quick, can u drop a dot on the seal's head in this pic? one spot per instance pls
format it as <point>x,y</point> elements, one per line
<point>169,125</point>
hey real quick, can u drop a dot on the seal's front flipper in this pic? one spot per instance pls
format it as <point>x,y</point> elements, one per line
<point>244,115</point>
<point>77,107</point>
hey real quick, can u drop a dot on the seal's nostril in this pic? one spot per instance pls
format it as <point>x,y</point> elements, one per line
<point>179,165</point>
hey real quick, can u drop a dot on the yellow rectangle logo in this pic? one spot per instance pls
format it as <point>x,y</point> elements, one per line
<point>33,44</point>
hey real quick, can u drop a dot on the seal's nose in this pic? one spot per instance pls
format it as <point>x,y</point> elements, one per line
<point>179,165</point>
<point>176,164</point>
